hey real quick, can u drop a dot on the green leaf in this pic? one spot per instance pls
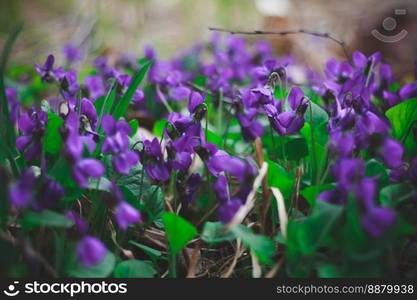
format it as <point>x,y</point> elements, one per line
<point>179,231</point>
<point>305,236</point>
<point>131,181</point>
<point>214,139</point>
<point>7,131</point>
<point>134,269</point>
<point>134,124</point>
<point>394,194</point>
<point>153,203</point>
<point>280,178</point>
<point>103,105</point>
<point>46,218</point>
<point>100,184</point>
<point>100,270</point>
<point>296,148</point>
<point>311,192</point>
<point>403,117</point>
<point>328,271</point>
<point>158,128</point>
<point>262,246</point>
<point>376,168</point>
<point>61,172</point>
<point>152,253</point>
<point>53,139</point>
<point>319,115</point>
<point>212,233</point>
<point>123,104</point>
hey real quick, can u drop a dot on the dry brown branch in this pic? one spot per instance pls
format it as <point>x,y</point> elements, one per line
<point>325,35</point>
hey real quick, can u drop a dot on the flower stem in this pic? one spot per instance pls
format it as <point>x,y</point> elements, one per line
<point>313,149</point>
<point>172,265</point>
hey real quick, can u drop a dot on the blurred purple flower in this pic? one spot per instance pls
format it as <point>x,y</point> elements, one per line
<point>87,167</point>
<point>21,193</point>
<point>90,250</point>
<point>72,53</point>
<point>126,214</point>
<point>227,211</point>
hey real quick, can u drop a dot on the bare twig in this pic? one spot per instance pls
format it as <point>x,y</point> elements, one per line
<point>266,197</point>
<point>207,215</point>
<point>239,251</point>
<point>275,269</point>
<point>282,212</point>
<point>325,35</point>
<point>250,200</point>
<point>195,256</point>
<point>256,267</point>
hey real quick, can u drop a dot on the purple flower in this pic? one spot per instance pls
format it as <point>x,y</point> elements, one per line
<point>227,211</point>
<point>90,250</point>
<point>21,193</point>
<point>102,67</point>
<point>188,187</point>
<point>117,143</point>
<point>74,143</point>
<point>126,214</point>
<point>221,188</point>
<point>408,91</point>
<point>50,193</point>
<point>337,196</point>
<point>391,153</point>
<point>377,220</point>
<point>72,53</point>
<point>95,86</point>
<point>342,143</point>
<point>179,93</point>
<point>86,167</point>
<point>149,52</point>
<point>195,100</point>
<point>153,161</point>
<point>251,128</point>
<point>179,152</point>
<point>348,171</point>
<point>45,71</point>
<point>288,122</point>
<point>80,227</point>
<point>32,125</point>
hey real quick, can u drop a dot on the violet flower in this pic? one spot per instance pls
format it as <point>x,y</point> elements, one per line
<point>21,193</point>
<point>32,125</point>
<point>117,144</point>
<point>125,214</point>
<point>95,86</point>
<point>72,53</point>
<point>153,161</point>
<point>46,71</point>
<point>89,249</point>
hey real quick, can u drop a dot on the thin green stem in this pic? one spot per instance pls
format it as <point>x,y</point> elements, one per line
<point>172,265</point>
<point>313,149</point>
